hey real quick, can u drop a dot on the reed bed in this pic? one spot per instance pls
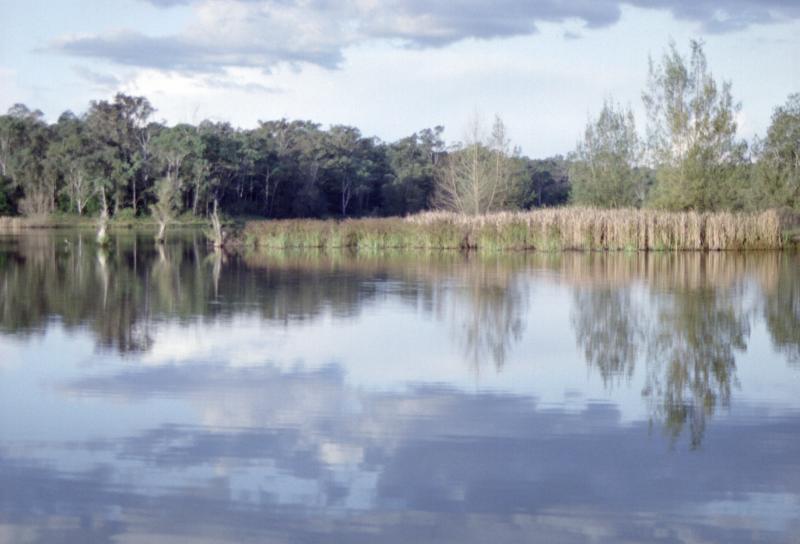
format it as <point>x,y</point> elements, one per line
<point>556,229</point>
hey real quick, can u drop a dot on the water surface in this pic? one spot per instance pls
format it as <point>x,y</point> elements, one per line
<point>177,395</point>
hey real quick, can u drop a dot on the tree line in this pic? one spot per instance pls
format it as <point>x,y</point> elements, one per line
<point>116,160</point>
<point>691,157</point>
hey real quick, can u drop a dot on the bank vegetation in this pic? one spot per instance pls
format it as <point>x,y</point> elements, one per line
<point>557,229</point>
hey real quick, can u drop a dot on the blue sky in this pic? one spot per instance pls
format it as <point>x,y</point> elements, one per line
<point>390,67</point>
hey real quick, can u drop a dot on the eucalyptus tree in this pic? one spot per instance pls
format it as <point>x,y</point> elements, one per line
<point>24,137</point>
<point>135,112</point>
<point>274,151</point>
<point>346,164</point>
<point>122,128</point>
<point>481,174</point>
<point>227,169</point>
<point>603,169</point>
<point>165,207</point>
<point>13,139</point>
<point>69,159</point>
<point>105,126</point>
<point>691,134</point>
<point>412,162</point>
<point>777,172</point>
<point>311,144</point>
<point>175,148</point>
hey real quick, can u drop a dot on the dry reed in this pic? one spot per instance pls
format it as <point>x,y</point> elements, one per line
<point>554,229</point>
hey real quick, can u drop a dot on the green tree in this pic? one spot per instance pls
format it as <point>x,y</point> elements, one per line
<point>603,168</point>
<point>545,182</point>
<point>69,159</point>
<point>225,164</point>
<point>776,180</point>
<point>24,138</point>
<point>412,178</point>
<point>347,164</point>
<point>122,128</point>
<point>175,148</point>
<point>165,207</point>
<point>691,133</point>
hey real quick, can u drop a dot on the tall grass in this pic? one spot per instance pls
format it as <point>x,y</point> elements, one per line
<point>555,229</point>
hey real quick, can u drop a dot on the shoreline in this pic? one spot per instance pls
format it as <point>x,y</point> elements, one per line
<point>548,230</point>
<point>551,230</point>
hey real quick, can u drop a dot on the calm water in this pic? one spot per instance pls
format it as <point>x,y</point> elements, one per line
<point>175,395</point>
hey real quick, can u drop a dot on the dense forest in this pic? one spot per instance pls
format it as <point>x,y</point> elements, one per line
<point>117,159</point>
<point>116,155</point>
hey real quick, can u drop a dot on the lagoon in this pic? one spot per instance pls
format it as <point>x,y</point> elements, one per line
<point>175,394</point>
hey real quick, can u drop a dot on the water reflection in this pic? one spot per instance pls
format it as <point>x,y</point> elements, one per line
<point>782,307</point>
<point>609,328</point>
<point>435,398</point>
<point>691,356</point>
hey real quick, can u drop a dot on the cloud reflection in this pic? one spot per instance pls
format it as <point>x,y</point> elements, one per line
<point>299,455</point>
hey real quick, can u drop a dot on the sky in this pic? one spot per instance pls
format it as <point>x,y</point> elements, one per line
<point>391,67</point>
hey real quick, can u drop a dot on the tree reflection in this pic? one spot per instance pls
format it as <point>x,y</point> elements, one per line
<point>487,311</point>
<point>608,329</point>
<point>688,331</point>
<point>782,307</point>
<point>120,293</point>
<point>691,357</point>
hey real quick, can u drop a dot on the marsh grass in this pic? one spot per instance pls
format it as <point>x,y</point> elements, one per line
<point>557,229</point>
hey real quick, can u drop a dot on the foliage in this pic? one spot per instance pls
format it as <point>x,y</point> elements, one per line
<point>165,207</point>
<point>776,180</point>
<point>545,182</point>
<point>691,133</point>
<point>603,170</point>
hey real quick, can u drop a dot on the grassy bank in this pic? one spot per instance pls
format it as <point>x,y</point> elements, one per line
<point>555,229</point>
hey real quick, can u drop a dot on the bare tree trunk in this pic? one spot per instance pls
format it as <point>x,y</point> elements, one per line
<point>196,199</point>
<point>162,231</point>
<point>102,229</point>
<point>346,188</point>
<point>217,233</point>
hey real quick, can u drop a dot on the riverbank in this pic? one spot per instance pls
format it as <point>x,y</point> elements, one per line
<point>555,229</point>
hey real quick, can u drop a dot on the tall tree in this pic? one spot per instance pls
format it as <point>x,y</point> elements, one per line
<point>603,167</point>
<point>69,159</point>
<point>776,180</point>
<point>692,134</point>
<point>225,164</point>
<point>412,177</point>
<point>479,175</point>
<point>348,166</point>
<point>24,137</point>
<point>122,128</point>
